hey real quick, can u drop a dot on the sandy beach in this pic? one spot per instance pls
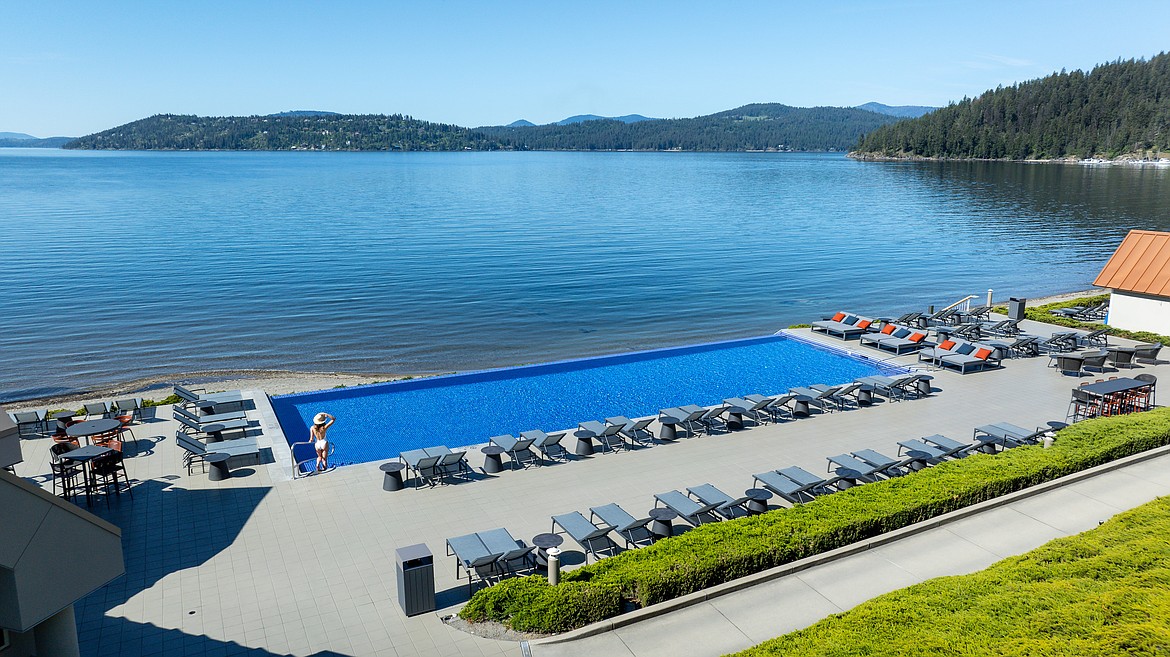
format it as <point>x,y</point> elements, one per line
<point>280,382</point>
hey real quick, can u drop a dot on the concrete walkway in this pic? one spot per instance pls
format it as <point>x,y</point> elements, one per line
<point>972,542</point>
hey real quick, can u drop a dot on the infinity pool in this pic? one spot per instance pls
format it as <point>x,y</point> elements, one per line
<point>377,422</point>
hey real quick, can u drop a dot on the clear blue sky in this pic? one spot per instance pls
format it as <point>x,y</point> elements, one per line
<point>71,68</point>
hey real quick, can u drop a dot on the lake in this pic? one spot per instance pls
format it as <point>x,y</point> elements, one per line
<point>125,265</point>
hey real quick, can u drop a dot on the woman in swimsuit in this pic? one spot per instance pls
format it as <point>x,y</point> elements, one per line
<point>321,424</point>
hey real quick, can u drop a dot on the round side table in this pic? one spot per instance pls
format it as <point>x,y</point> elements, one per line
<point>392,480</point>
<point>214,432</point>
<point>492,461</point>
<point>669,430</point>
<point>584,443</point>
<point>217,466</point>
<point>662,526</point>
<point>759,500</point>
<point>544,543</point>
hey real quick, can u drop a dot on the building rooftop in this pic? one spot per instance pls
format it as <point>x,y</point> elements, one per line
<point>1141,264</point>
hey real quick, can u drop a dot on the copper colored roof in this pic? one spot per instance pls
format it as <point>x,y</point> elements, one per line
<point>1141,264</point>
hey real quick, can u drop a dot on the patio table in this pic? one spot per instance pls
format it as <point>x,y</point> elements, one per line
<point>92,428</point>
<point>82,456</point>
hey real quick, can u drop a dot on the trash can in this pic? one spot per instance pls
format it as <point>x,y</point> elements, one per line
<point>416,579</point>
<point>1016,308</point>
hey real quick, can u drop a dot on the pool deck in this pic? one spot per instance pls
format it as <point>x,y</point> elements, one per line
<point>263,565</point>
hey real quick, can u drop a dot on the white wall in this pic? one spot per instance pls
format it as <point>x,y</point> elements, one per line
<point>1139,312</point>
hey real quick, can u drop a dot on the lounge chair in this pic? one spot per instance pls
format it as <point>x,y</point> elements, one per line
<point>192,397</point>
<point>453,464</point>
<point>919,455</point>
<point>688,420</point>
<point>843,325</point>
<point>1095,360</point>
<point>548,445</point>
<point>822,398</point>
<point>756,409</point>
<point>851,470</point>
<point>609,435</point>
<point>198,424</point>
<point>795,484</point>
<point>515,555</point>
<point>898,339</point>
<point>194,450</point>
<point>726,506</point>
<point>1006,435</point>
<point>689,510</point>
<point>1146,352</point>
<point>843,396</point>
<point>882,464</point>
<point>635,431</point>
<point>476,559</point>
<point>26,420</point>
<point>634,530</point>
<point>424,465</point>
<point>980,358</point>
<point>894,387</point>
<point>585,533</point>
<point>1098,338</point>
<point>713,419</point>
<point>218,418</point>
<point>1060,342</point>
<point>517,449</point>
<point>1022,345</point>
<point>1120,356</point>
<point>949,447</point>
<point>778,407</point>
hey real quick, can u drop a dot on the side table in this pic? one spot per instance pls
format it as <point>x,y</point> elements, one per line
<point>217,466</point>
<point>392,480</point>
<point>662,526</point>
<point>545,542</point>
<point>758,502</point>
<point>492,461</point>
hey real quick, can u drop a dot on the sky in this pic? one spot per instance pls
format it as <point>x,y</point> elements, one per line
<point>71,68</point>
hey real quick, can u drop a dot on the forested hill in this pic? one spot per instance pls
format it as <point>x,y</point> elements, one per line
<point>1120,109</point>
<point>749,128</point>
<point>331,132</point>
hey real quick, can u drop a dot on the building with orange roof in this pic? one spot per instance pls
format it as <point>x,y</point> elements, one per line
<point>1138,277</point>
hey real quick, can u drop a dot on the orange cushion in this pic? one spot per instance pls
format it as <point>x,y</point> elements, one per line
<point>947,345</point>
<point>888,329</point>
<point>864,323</point>
<point>838,317</point>
<point>982,354</point>
<point>916,337</point>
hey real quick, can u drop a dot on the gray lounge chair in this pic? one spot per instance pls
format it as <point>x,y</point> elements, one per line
<point>1095,338</point>
<point>587,535</point>
<point>1006,435</point>
<point>97,410</point>
<point>842,396</point>
<point>689,510</point>
<point>179,411</point>
<point>884,465</point>
<point>918,454</point>
<point>848,326</point>
<point>515,555</point>
<point>950,447</point>
<point>894,387</point>
<point>608,435</point>
<point>633,530</point>
<point>851,470</point>
<point>692,417</point>
<point>778,407</point>
<point>822,399</point>
<point>635,431</point>
<point>476,559</point>
<point>30,420</point>
<point>795,484</point>
<point>758,409</point>
<point>518,449</point>
<point>1146,352</point>
<point>727,506</point>
<point>1059,342</point>
<point>453,464</point>
<point>713,419</point>
<point>196,424</point>
<point>901,340</point>
<point>424,466</point>
<point>548,445</point>
<point>193,397</point>
<point>195,450</point>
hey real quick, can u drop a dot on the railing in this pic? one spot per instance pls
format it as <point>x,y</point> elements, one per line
<point>966,300</point>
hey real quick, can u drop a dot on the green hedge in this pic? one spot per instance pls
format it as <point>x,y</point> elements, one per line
<point>720,552</point>
<point>1104,592</point>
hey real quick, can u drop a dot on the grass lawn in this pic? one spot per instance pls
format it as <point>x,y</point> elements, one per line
<point>1103,592</point>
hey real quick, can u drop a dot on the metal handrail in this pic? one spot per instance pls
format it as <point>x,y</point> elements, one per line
<point>966,299</point>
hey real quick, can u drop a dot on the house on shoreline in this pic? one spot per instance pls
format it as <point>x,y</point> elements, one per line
<point>1138,278</point>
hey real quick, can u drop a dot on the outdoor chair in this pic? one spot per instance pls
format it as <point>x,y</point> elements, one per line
<point>1068,364</point>
<point>758,410</point>
<point>724,504</point>
<point>843,396</point>
<point>194,450</point>
<point>192,397</point>
<point>918,454</point>
<point>1005,435</point>
<point>1147,352</point>
<point>548,445</point>
<point>635,431</point>
<point>517,449</point>
<point>194,424</point>
<point>34,420</point>
<point>779,406</point>
<point>475,558</point>
<point>1153,381</point>
<point>97,410</point>
<point>1120,356</point>
<point>1060,342</point>
<point>107,469</point>
<point>851,470</point>
<point>795,484</point>
<point>1099,337</point>
<point>688,420</point>
<point>895,338</point>
<point>713,419</point>
<point>1083,405</point>
<point>133,405</point>
<point>515,556</point>
<point>1094,361</point>
<point>950,448</point>
<point>894,388</point>
<point>633,530</point>
<point>585,533</point>
<point>882,464</point>
<point>424,466</point>
<point>688,509</point>
<point>1022,345</point>
<point>611,437</point>
<point>843,325</point>
<point>453,464</point>
<point>822,399</point>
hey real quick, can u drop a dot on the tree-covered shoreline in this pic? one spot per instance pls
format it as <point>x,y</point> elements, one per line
<point>1116,111</point>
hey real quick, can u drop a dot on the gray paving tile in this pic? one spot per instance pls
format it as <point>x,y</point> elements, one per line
<point>774,608</point>
<point>935,554</point>
<point>1004,531</point>
<point>849,582</point>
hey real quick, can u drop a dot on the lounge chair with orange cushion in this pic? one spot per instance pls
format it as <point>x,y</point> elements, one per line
<point>898,339</point>
<point>844,325</point>
<point>979,357</point>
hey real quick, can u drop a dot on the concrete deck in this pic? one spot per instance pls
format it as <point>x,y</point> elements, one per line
<point>261,565</point>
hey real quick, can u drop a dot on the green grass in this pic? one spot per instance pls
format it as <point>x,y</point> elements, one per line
<point>715,553</point>
<point>1103,592</point>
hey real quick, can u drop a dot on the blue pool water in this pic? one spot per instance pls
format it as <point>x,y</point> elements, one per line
<point>377,422</point>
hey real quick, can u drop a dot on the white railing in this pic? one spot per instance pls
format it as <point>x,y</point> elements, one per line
<point>966,300</point>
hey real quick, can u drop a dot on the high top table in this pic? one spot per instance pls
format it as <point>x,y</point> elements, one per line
<point>82,456</point>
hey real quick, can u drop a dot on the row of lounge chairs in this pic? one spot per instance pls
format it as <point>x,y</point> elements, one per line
<point>1084,313</point>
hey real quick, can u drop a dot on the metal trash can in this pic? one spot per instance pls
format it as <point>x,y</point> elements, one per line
<point>416,579</point>
<point>1016,308</point>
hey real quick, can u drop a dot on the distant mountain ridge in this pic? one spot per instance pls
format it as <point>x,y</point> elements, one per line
<point>756,127</point>
<point>1120,109</point>
<point>33,142</point>
<point>15,135</point>
<point>905,111</point>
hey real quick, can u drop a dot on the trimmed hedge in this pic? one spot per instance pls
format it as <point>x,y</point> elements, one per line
<point>1103,592</point>
<point>719,552</point>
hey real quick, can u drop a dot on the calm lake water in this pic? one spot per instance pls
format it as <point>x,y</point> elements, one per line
<point>123,265</point>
